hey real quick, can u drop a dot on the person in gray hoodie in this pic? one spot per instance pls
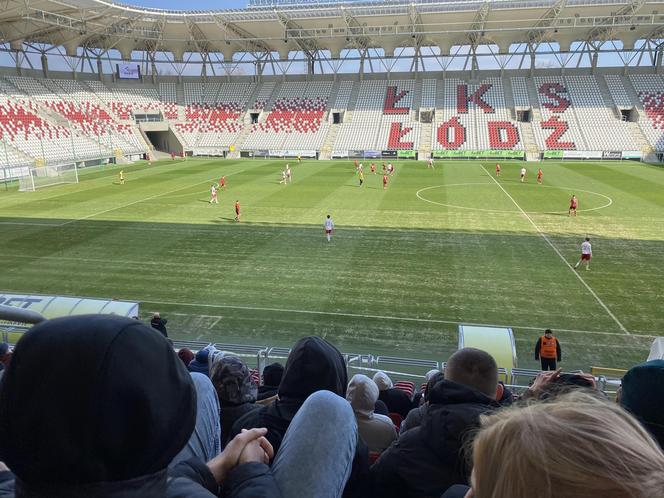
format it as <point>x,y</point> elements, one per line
<point>377,431</point>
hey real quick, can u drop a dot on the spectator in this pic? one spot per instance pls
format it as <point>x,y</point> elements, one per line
<point>552,384</point>
<point>159,323</point>
<point>109,427</point>
<point>599,451</point>
<point>236,390</point>
<point>547,350</point>
<point>271,378</point>
<point>205,442</point>
<point>5,358</point>
<point>504,396</point>
<point>428,459</point>
<point>414,417</point>
<point>377,431</point>
<point>186,355</point>
<point>201,362</point>
<point>643,395</point>
<point>381,408</point>
<point>313,365</point>
<point>397,401</point>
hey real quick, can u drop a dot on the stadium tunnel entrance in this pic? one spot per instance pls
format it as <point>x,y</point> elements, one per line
<point>164,141</point>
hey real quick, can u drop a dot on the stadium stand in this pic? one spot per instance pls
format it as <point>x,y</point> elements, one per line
<point>295,119</point>
<point>571,112</point>
<point>650,90</point>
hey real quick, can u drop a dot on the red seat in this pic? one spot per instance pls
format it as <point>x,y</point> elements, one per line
<point>396,420</point>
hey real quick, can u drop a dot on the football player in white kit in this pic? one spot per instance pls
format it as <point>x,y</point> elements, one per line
<point>586,254</point>
<point>523,174</point>
<point>329,227</point>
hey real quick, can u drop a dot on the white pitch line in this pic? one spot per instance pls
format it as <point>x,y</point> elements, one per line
<point>145,199</point>
<point>373,317</point>
<point>548,241</point>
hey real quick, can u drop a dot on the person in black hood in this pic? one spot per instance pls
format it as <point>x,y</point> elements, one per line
<point>272,375</point>
<point>97,406</point>
<point>313,365</point>
<point>426,460</point>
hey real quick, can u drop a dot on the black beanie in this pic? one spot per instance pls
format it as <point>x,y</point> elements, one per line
<point>93,398</point>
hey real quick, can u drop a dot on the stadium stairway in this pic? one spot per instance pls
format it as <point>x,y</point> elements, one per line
<point>272,99</point>
<point>334,93</point>
<point>532,96</point>
<point>353,98</point>
<point>326,150</point>
<point>639,138</point>
<point>424,151</point>
<point>606,96</point>
<point>239,141</point>
<point>636,129</point>
<point>18,158</point>
<point>417,95</point>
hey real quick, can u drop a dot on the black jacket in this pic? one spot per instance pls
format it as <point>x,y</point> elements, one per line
<point>229,415</point>
<point>160,325</point>
<point>397,401</point>
<point>188,479</point>
<point>265,392</point>
<point>428,459</point>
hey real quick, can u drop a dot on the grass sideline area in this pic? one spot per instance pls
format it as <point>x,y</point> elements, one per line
<point>406,264</point>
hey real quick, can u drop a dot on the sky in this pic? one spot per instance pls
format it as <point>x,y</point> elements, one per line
<point>189,4</point>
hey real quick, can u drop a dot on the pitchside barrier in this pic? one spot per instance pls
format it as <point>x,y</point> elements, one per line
<point>19,311</point>
<point>593,155</point>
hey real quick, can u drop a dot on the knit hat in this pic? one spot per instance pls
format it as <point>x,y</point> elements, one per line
<point>114,404</point>
<point>272,374</point>
<point>202,356</point>
<point>382,381</point>
<point>232,380</point>
<point>4,348</point>
<point>643,395</point>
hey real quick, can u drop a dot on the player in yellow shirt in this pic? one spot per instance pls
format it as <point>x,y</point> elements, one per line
<point>121,176</point>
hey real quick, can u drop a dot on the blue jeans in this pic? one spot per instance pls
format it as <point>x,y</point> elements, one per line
<point>316,456</point>
<point>205,441</point>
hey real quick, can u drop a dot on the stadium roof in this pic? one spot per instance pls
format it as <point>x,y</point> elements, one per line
<point>312,28</point>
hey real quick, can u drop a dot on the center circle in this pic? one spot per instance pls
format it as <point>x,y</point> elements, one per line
<point>420,195</point>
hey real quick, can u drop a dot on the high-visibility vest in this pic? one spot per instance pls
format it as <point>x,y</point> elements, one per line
<point>548,347</point>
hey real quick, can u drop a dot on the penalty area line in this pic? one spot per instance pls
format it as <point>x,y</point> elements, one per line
<point>146,199</point>
<point>365,316</point>
<point>551,244</point>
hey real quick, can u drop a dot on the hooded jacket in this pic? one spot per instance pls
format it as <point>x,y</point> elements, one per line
<point>313,365</point>
<point>272,375</point>
<point>642,395</point>
<point>377,431</point>
<point>428,459</point>
<point>101,418</point>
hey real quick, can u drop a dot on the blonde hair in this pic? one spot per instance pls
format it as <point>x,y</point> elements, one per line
<point>576,446</point>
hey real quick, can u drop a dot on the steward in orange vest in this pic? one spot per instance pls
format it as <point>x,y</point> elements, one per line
<point>547,350</point>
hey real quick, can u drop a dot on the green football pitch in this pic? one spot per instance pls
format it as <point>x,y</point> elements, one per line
<point>406,265</point>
